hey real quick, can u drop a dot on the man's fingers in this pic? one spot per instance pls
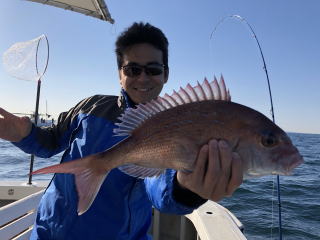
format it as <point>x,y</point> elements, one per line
<point>200,165</point>
<point>214,162</point>
<point>236,174</point>
<point>217,171</point>
<point>5,114</point>
<point>225,158</point>
<point>194,179</point>
<point>213,170</point>
<point>230,173</point>
<point>13,128</point>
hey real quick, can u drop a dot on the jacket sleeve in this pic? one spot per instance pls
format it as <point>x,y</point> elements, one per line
<point>47,141</point>
<point>167,196</point>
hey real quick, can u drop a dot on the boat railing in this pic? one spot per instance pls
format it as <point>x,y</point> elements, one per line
<point>209,222</point>
<point>17,218</point>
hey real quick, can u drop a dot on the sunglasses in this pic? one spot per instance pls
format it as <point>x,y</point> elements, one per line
<point>134,70</point>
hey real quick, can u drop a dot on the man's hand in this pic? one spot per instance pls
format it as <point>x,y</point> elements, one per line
<point>13,128</point>
<point>217,172</point>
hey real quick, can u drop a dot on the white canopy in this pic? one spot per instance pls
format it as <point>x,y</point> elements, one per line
<point>94,8</point>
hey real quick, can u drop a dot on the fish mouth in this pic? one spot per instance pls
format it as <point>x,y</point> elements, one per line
<point>295,164</point>
<point>295,161</point>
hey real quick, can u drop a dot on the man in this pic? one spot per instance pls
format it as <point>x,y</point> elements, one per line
<point>122,208</point>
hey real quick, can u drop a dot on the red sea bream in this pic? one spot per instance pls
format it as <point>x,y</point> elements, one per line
<point>168,133</point>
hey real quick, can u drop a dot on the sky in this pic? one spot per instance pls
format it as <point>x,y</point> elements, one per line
<point>82,60</point>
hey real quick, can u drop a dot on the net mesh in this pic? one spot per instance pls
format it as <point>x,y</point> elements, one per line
<point>27,60</point>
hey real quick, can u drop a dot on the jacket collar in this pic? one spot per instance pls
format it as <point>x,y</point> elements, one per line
<point>124,101</point>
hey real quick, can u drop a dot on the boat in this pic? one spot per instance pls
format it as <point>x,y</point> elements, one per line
<point>43,120</point>
<point>211,221</point>
<point>19,199</point>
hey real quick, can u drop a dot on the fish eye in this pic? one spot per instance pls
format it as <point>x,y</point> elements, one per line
<point>269,140</point>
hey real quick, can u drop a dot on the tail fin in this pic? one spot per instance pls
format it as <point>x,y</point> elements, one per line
<point>89,176</point>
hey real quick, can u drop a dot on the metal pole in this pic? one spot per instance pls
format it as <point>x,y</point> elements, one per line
<point>156,225</point>
<point>183,228</point>
<point>35,122</point>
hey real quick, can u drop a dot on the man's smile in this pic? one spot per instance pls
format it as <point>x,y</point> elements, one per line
<point>143,89</point>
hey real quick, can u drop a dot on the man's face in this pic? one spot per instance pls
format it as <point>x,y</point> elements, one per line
<point>148,84</point>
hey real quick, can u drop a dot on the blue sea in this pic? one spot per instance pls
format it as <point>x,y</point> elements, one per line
<point>254,203</point>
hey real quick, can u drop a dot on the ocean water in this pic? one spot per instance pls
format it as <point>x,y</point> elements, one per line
<point>254,203</point>
<point>15,164</point>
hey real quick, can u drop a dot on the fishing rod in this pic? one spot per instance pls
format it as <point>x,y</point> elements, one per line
<point>270,97</point>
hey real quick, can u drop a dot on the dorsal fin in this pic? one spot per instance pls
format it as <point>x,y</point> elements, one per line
<point>133,118</point>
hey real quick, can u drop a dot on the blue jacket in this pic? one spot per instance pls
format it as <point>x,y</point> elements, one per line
<point>122,208</point>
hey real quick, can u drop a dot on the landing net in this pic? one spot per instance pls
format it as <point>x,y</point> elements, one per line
<point>27,60</point>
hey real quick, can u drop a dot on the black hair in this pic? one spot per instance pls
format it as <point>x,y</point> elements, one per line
<point>141,33</point>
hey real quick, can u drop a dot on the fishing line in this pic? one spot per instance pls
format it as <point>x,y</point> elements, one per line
<point>237,17</point>
<point>272,206</point>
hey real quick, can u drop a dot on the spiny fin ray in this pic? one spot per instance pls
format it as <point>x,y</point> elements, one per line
<point>133,118</point>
